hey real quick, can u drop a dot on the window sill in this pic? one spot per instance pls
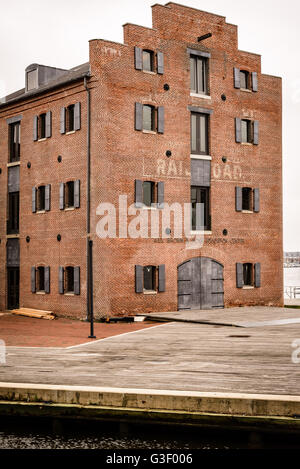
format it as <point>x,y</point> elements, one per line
<point>246,143</point>
<point>247,211</point>
<point>69,209</point>
<point>11,236</point>
<point>145,207</point>
<point>201,157</point>
<point>149,72</point>
<point>13,163</point>
<point>40,293</point>
<point>202,96</point>
<point>69,294</point>
<point>149,132</point>
<point>70,132</point>
<point>248,287</point>
<point>42,139</point>
<point>41,211</point>
<point>246,90</point>
<point>150,292</point>
<point>205,232</point>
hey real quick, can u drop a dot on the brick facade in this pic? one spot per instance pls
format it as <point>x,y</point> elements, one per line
<point>120,155</point>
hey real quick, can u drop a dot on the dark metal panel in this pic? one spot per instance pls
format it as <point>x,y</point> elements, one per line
<point>139,279</point>
<point>257,273</point>
<point>160,194</point>
<point>47,197</point>
<point>47,279</point>
<point>196,283</point>
<point>255,132</point>
<point>14,179</point>
<point>160,62</point>
<point>33,199</point>
<point>63,120</point>
<point>200,172</point>
<point>77,193</point>
<point>138,116</point>
<point>33,279</point>
<point>61,196</point>
<point>256,207</point>
<point>200,53</point>
<point>238,130</point>
<point>185,285</point>
<point>206,283</point>
<point>254,81</point>
<point>77,116</point>
<point>237,78</point>
<point>160,119</point>
<point>77,280</point>
<point>162,278</point>
<point>35,128</point>
<point>13,253</point>
<point>138,197</point>
<point>61,272</point>
<point>238,199</point>
<point>48,124</point>
<point>239,275</point>
<point>138,58</point>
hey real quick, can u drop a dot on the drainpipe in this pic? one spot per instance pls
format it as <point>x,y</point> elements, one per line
<point>89,243</point>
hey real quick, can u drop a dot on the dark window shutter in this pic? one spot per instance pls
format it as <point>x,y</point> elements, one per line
<point>33,200</point>
<point>237,78</point>
<point>63,120</point>
<point>77,193</point>
<point>160,63</point>
<point>138,196</point>
<point>255,132</point>
<point>254,81</point>
<point>138,58</point>
<point>48,124</point>
<point>139,279</point>
<point>239,275</point>
<point>47,279</point>
<point>160,194</point>
<point>35,128</point>
<point>238,130</point>
<point>77,120</point>
<point>138,116</point>
<point>61,196</point>
<point>257,275</point>
<point>256,196</point>
<point>238,199</point>
<point>160,119</point>
<point>33,281</point>
<point>47,197</point>
<point>61,272</point>
<point>77,280</point>
<point>162,278</point>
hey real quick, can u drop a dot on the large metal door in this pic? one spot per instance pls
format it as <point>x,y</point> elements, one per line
<point>200,284</point>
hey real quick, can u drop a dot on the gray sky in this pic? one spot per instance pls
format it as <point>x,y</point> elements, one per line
<point>56,32</point>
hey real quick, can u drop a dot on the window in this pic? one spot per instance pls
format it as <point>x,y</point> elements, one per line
<point>13,213</point>
<point>149,118</point>
<point>41,198</point>
<point>199,134</point>
<point>40,280</point>
<point>69,195</point>
<point>246,131</point>
<point>148,62</point>
<point>148,193</point>
<point>245,80</point>
<point>14,142</point>
<point>42,126</point>
<point>248,275</point>
<point>69,280</point>
<point>150,278</point>
<point>32,80</point>
<point>199,74</point>
<point>200,195</point>
<point>247,199</point>
<point>70,118</point>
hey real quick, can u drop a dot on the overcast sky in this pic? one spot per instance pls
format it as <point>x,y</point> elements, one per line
<point>56,32</point>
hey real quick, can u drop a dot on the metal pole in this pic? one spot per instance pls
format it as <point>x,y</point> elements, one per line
<point>91,300</point>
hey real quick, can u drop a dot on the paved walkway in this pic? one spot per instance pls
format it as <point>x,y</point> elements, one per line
<point>20,331</point>
<point>173,356</point>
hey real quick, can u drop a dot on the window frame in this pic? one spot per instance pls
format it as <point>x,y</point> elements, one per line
<point>42,126</point>
<point>153,193</point>
<point>41,201</point>
<point>153,118</point>
<point>69,273</point>
<point>194,74</point>
<point>198,116</point>
<point>14,146</point>
<point>199,191</point>
<point>69,194</point>
<point>249,131</point>
<point>248,274</point>
<point>247,76</point>
<point>247,199</point>
<point>70,118</point>
<point>151,56</point>
<point>13,221</point>
<point>40,275</point>
<point>152,280</point>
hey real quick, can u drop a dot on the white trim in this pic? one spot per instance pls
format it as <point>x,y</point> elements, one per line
<point>202,96</point>
<point>13,163</point>
<point>247,211</point>
<point>70,132</point>
<point>149,132</point>
<point>201,232</point>
<point>150,292</point>
<point>201,157</point>
<point>245,89</point>
<point>248,287</point>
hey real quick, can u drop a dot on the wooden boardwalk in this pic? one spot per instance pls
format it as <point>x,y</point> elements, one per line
<point>172,356</point>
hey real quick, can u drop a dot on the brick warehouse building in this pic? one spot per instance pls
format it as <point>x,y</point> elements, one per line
<point>176,114</point>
